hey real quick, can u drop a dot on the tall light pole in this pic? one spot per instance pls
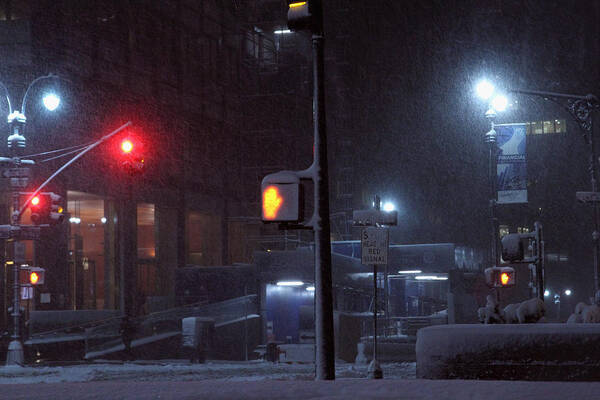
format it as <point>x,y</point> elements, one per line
<point>581,108</point>
<point>485,90</point>
<point>16,144</point>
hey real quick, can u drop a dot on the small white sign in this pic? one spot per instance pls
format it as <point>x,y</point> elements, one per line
<point>26,292</point>
<point>374,242</point>
<point>45,298</point>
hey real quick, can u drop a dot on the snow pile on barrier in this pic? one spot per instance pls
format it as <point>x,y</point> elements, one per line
<point>524,351</point>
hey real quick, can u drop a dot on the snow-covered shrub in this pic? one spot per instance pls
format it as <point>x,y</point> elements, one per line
<point>490,314</point>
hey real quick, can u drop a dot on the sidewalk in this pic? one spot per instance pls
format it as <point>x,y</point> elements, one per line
<point>294,389</point>
<point>178,370</point>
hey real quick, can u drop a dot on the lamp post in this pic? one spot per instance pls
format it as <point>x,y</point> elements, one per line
<point>16,144</point>
<point>581,108</point>
<point>485,91</point>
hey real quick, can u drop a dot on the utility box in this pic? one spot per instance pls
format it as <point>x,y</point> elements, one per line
<point>197,337</point>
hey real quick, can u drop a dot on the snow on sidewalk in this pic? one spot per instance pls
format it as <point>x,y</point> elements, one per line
<point>179,371</point>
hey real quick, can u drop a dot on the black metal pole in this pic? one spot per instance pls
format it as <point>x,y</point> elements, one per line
<point>594,181</point>
<point>127,223</point>
<point>491,140</point>
<point>325,351</point>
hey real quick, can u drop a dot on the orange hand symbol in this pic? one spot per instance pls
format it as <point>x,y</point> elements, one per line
<point>271,202</point>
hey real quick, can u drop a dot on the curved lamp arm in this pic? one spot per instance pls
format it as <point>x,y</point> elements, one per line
<point>7,98</point>
<point>36,80</point>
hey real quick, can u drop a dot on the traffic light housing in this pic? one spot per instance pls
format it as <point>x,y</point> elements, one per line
<point>131,154</point>
<point>305,15</point>
<point>46,208</point>
<point>36,276</point>
<point>281,197</point>
<point>499,277</point>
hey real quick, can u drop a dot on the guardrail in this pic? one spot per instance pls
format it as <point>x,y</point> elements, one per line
<point>106,338</point>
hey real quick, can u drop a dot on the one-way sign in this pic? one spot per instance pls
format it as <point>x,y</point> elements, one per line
<point>374,243</point>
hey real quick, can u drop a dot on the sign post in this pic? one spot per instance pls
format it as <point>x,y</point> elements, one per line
<point>375,243</point>
<point>374,246</point>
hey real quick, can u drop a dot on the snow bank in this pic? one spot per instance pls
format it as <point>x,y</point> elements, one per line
<point>524,351</point>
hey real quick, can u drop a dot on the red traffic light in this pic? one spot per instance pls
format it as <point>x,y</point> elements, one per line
<point>45,208</point>
<point>130,154</point>
<point>126,146</point>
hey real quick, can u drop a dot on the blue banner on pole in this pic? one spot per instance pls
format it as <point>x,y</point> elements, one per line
<point>512,163</point>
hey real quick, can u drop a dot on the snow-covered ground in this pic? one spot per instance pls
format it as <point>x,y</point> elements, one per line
<point>182,371</point>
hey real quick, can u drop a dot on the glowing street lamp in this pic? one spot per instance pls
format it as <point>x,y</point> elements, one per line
<point>388,206</point>
<point>51,101</point>
<point>500,103</point>
<point>484,89</point>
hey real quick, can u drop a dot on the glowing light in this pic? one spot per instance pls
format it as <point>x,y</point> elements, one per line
<point>500,103</point>
<point>272,202</point>
<point>290,283</point>
<point>103,220</point>
<point>282,31</point>
<point>546,293</point>
<point>568,292</point>
<point>484,89</point>
<point>297,4</point>
<point>389,206</point>
<point>431,278</point>
<point>410,271</point>
<point>51,101</point>
<point>126,146</point>
<point>75,220</point>
<point>35,201</point>
<point>310,288</point>
<point>33,278</point>
<point>504,278</point>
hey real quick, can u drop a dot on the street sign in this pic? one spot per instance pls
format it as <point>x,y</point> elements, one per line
<point>16,173</point>
<point>26,292</point>
<point>374,217</point>
<point>588,197</point>
<point>374,243</point>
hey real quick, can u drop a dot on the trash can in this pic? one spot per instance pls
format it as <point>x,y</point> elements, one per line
<point>197,337</point>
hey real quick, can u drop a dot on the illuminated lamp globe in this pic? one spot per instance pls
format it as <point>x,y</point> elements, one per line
<point>500,103</point>
<point>389,206</point>
<point>51,101</point>
<point>484,89</point>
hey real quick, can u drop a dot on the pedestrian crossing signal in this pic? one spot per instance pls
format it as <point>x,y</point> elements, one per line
<point>280,202</point>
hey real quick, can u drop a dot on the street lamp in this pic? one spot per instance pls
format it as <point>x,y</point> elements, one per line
<point>581,109</point>
<point>486,90</point>
<point>16,143</point>
<point>51,101</point>
<point>389,206</point>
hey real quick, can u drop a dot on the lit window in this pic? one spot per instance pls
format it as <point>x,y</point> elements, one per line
<point>504,230</point>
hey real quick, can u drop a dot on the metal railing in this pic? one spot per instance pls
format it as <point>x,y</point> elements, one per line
<point>106,338</point>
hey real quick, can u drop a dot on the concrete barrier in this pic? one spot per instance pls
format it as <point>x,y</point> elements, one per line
<point>520,351</point>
